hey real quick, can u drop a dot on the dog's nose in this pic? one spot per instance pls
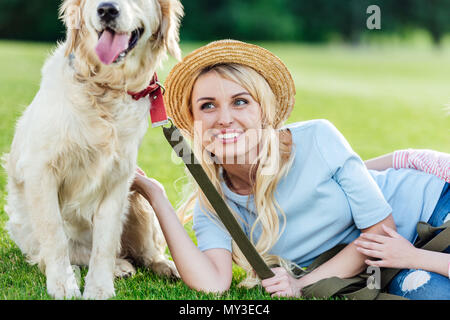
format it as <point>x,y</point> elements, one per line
<point>108,11</point>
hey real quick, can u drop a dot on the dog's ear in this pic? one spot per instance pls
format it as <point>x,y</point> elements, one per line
<point>70,14</point>
<point>172,12</point>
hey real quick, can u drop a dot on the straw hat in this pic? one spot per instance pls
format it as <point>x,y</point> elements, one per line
<point>180,81</point>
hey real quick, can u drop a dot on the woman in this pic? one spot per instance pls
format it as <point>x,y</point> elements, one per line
<point>297,191</point>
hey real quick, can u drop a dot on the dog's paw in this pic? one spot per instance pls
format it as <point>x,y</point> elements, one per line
<point>123,269</point>
<point>165,268</point>
<point>98,292</point>
<point>99,282</point>
<point>63,287</point>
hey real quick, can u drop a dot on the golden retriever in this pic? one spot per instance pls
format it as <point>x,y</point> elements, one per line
<point>73,157</point>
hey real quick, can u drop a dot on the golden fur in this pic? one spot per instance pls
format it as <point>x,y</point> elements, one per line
<point>73,157</point>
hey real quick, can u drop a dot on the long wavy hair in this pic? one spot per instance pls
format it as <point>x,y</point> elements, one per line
<point>275,148</point>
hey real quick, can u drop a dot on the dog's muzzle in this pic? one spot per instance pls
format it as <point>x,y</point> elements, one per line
<point>108,11</point>
<point>114,44</point>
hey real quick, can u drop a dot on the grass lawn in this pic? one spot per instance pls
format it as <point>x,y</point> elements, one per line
<point>381,99</point>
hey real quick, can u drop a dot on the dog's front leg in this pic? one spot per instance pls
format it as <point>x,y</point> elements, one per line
<point>41,192</point>
<point>106,243</point>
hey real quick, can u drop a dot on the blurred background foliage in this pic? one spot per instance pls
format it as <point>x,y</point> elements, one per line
<point>314,21</point>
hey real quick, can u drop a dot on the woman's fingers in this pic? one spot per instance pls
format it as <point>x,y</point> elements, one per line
<point>369,245</point>
<point>278,284</point>
<point>391,232</point>
<point>374,237</point>
<point>376,263</point>
<point>370,253</point>
<point>275,279</point>
<point>141,172</point>
<point>275,288</point>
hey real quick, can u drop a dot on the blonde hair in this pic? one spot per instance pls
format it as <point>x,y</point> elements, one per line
<point>270,153</point>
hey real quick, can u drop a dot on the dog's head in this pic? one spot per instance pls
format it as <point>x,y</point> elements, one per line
<point>120,32</point>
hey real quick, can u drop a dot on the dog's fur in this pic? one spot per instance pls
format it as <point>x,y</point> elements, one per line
<point>73,157</point>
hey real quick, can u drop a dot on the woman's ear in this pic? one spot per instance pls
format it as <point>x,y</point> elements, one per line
<point>172,12</point>
<point>70,14</point>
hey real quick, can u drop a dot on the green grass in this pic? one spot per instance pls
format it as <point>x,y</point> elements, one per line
<point>381,98</point>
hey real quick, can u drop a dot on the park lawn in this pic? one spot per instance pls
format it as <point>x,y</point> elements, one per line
<point>381,99</point>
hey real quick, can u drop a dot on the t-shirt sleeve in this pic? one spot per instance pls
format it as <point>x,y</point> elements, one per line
<point>209,231</point>
<point>367,203</point>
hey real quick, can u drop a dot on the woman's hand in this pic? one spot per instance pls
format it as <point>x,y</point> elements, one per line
<point>149,188</point>
<point>209,271</point>
<point>139,181</point>
<point>282,284</point>
<point>394,251</point>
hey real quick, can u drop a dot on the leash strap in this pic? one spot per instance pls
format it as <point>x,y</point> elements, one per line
<point>183,150</point>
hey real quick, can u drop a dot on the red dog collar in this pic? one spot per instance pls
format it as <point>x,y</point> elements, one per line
<point>155,91</point>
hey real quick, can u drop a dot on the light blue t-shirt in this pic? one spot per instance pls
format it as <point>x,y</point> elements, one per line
<point>327,196</point>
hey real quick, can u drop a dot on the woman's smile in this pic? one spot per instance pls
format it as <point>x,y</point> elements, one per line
<point>229,136</point>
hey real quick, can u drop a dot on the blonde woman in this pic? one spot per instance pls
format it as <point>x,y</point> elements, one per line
<point>297,190</point>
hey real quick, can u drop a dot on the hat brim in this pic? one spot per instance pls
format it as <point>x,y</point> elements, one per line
<point>180,80</point>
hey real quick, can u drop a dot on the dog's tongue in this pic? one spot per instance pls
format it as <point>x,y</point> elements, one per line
<point>110,45</point>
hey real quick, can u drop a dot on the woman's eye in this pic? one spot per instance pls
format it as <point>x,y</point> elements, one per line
<point>240,102</point>
<point>206,106</point>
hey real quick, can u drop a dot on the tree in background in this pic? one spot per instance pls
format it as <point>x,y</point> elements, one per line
<point>30,20</point>
<point>432,15</point>
<point>273,20</point>
<point>244,20</point>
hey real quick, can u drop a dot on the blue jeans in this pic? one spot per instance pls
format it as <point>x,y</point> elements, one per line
<point>423,285</point>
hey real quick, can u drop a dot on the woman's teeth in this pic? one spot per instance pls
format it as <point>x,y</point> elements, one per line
<point>228,136</point>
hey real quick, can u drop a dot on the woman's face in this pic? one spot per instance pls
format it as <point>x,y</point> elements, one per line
<point>226,118</point>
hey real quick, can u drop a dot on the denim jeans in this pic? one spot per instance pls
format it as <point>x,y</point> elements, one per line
<point>423,285</point>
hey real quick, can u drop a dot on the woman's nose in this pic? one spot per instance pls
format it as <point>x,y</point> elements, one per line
<point>225,117</point>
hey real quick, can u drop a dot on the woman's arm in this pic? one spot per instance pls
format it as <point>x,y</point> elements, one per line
<point>394,251</point>
<point>380,163</point>
<point>346,264</point>
<point>429,161</point>
<point>209,271</point>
